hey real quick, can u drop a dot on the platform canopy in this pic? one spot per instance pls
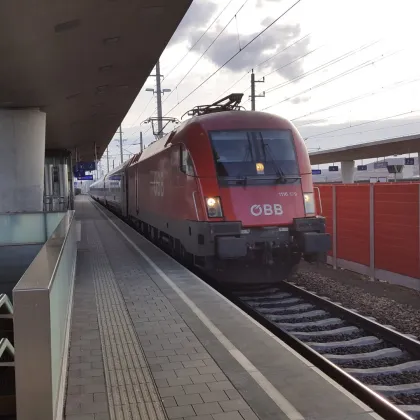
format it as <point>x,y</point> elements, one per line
<point>83,62</point>
<point>374,149</point>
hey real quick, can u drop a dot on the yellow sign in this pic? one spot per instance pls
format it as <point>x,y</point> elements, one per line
<point>260,168</point>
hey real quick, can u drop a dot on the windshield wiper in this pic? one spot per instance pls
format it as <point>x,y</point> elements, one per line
<point>280,173</point>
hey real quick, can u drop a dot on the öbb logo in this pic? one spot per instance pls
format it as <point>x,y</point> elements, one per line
<point>266,209</point>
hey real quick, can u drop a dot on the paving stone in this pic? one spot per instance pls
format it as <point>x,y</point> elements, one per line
<point>179,412</point>
<point>188,399</point>
<point>171,391</point>
<point>199,379</point>
<point>196,388</point>
<point>248,415</point>
<point>209,369</point>
<point>180,358</point>
<point>186,372</point>
<point>234,405</point>
<point>214,396</point>
<point>179,381</point>
<point>195,363</point>
<point>220,386</point>
<point>95,407</point>
<point>233,394</point>
<point>169,402</point>
<point>207,408</point>
<point>172,366</point>
<point>233,415</point>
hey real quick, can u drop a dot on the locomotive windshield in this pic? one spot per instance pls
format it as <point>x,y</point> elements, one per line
<point>239,153</point>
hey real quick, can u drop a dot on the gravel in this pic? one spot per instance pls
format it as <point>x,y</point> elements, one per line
<point>292,320</point>
<point>393,379</point>
<point>374,363</point>
<point>333,338</point>
<point>313,328</point>
<point>356,349</point>
<point>405,399</point>
<point>383,301</point>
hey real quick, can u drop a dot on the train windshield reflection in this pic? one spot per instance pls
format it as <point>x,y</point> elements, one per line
<point>239,153</point>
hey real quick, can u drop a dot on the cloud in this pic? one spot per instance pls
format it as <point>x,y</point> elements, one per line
<point>192,25</point>
<point>275,40</point>
<point>299,100</point>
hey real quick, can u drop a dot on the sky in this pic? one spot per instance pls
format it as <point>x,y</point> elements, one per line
<point>345,72</point>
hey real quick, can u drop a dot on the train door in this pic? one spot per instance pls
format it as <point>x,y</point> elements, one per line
<point>192,186</point>
<point>123,195</point>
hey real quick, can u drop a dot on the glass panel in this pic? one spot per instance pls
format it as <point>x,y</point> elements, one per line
<point>59,307</point>
<point>254,152</point>
<point>28,228</point>
<point>22,228</point>
<point>53,220</point>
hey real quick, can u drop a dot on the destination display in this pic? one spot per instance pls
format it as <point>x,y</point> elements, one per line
<point>362,167</point>
<point>333,168</point>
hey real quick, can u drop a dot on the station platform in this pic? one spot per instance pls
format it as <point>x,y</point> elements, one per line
<point>150,340</point>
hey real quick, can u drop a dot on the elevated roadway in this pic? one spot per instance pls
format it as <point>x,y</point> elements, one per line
<point>348,154</point>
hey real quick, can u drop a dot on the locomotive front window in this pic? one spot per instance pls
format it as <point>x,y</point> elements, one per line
<point>239,153</point>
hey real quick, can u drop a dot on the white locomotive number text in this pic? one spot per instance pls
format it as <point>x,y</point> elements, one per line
<point>288,194</point>
<point>266,209</point>
<point>157,183</point>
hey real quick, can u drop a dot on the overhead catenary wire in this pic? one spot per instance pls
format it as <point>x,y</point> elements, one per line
<point>322,66</point>
<point>235,55</point>
<point>199,39</point>
<point>364,95</point>
<point>266,60</point>
<point>334,78</point>
<point>205,52</point>
<point>182,59</point>
<point>363,123</point>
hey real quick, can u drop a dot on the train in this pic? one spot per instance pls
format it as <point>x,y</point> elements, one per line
<point>227,189</point>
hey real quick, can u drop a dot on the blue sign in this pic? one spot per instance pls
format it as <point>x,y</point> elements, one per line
<point>380,165</point>
<point>316,171</point>
<point>333,168</point>
<point>79,173</point>
<point>362,167</point>
<point>409,161</point>
<point>85,178</point>
<point>86,166</point>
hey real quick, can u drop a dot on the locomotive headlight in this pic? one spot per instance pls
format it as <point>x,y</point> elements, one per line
<point>214,208</point>
<point>309,203</point>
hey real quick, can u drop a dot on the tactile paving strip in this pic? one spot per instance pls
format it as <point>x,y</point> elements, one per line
<point>131,392</point>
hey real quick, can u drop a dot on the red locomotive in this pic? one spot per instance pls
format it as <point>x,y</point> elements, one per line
<point>227,187</point>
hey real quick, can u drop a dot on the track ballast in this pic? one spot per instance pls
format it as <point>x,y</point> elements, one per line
<point>378,364</point>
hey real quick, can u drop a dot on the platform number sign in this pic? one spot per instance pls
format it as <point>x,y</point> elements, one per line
<point>409,161</point>
<point>157,183</point>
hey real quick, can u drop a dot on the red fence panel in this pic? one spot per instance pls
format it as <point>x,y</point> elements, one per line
<point>326,194</point>
<point>353,226</point>
<point>396,209</point>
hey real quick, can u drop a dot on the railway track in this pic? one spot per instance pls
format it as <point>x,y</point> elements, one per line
<point>376,363</point>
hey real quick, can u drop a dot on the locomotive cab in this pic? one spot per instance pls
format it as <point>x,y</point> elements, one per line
<point>263,199</point>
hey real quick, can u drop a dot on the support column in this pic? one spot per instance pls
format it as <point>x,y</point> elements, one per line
<point>347,172</point>
<point>22,156</point>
